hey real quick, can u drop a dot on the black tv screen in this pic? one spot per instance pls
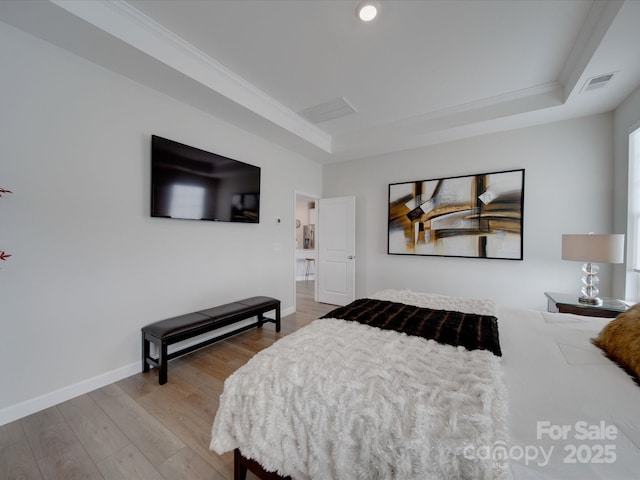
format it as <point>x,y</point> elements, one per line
<point>189,183</point>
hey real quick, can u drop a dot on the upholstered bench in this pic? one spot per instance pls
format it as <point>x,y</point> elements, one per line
<point>173,330</point>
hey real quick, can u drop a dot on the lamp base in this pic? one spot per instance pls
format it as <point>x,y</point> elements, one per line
<point>590,300</point>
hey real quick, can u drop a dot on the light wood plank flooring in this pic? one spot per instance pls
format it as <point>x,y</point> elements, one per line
<point>137,429</point>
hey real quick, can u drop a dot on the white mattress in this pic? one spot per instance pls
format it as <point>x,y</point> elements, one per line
<point>555,375</point>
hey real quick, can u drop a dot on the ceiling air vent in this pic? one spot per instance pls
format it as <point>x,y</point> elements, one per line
<point>328,111</point>
<point>594,83</point>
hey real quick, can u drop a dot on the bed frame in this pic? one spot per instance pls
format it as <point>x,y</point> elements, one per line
<point>241,464</point>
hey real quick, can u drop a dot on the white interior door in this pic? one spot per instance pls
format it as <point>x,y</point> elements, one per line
<point>336,253</point>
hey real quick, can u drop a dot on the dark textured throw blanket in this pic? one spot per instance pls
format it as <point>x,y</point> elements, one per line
<point>472,331</point>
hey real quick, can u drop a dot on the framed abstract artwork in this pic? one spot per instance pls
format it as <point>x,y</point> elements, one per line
<point>477,216</point>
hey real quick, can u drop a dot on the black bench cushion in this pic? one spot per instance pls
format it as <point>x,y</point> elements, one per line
<point>176,325</point>
<point>184,323</point>
<point>259,302</point>
<point>223,311</point>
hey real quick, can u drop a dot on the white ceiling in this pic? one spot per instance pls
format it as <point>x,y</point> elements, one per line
<point>423,72</point>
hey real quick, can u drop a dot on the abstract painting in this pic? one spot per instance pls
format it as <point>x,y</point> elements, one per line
<point>478,216</point>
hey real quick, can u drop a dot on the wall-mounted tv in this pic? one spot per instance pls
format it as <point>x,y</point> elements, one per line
<point>189,183</point>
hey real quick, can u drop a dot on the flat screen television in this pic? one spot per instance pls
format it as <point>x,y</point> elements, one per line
<point>190,183</point>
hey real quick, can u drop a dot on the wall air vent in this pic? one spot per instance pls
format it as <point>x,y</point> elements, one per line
<point>594,83</point>
<point>328,111</point>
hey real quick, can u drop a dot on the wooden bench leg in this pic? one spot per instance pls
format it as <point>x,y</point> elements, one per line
<point>164,364</point>
<point>261,319</point>
<point>145,353</point>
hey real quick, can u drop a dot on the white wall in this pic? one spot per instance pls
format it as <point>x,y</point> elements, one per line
<point>89,265</point>
<point>625,118</point>
<point>568,189</point>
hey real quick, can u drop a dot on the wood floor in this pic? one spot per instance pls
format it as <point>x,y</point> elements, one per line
<point>137,429</point>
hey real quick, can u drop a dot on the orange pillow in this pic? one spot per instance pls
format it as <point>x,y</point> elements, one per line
<point>620,341</point>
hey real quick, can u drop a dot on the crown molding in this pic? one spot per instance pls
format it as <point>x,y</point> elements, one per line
<point>441,124</point>
<point>128,24</point>
<point>503,101</point>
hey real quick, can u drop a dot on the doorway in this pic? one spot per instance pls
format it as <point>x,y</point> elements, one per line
<point>306,248</point>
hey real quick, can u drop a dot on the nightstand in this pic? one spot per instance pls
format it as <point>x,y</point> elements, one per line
<point>568,303</point>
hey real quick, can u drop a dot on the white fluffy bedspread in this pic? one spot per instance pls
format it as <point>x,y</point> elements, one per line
<point>342,400</point>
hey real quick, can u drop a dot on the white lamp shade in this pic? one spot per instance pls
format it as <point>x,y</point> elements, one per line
<point>593,248</point>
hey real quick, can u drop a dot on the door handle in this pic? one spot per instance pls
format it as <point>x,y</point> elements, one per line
<point>351,257</point>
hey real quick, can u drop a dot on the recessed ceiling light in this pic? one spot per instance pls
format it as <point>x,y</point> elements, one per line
<point>367,11</point>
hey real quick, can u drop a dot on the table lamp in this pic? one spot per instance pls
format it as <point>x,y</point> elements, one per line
<point>592,249</point>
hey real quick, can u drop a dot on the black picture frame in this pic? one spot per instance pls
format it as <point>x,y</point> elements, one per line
<point>470,216</point>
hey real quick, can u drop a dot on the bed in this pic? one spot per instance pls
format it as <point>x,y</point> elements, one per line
<point>359,398</point>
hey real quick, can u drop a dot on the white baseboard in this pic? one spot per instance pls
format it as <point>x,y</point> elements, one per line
<point>33,405</point>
